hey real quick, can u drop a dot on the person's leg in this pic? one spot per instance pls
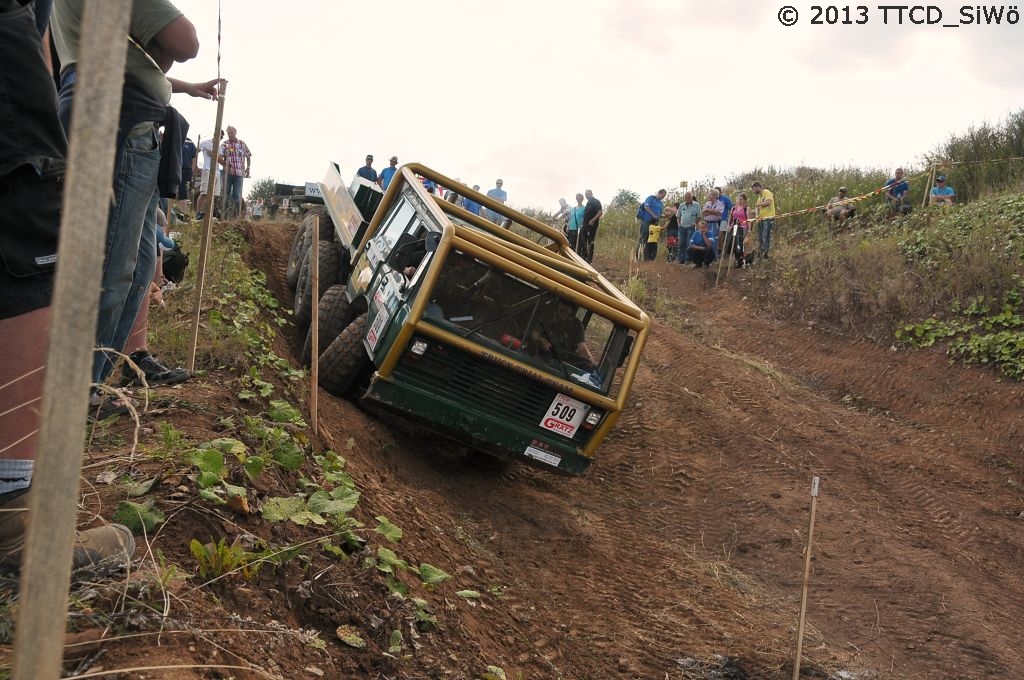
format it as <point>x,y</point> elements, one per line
<point>122,286</point>
<point>22,370</point>
<point>235,193</point>
<point>766,236</point>
<point>684,241</point>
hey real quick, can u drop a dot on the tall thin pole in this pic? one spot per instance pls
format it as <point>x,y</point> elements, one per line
<point>204,248</point>
<point>314,262</point>
<point>807,577</point>
<point>46,569</point>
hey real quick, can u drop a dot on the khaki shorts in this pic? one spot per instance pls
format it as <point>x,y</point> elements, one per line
<point>205,182</point>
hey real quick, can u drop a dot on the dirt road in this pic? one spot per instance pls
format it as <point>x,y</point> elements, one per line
<point>684,542</point>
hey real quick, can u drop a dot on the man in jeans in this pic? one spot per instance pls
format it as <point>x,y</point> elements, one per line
<point>687,214</point>
<point>160,35</point>
<point>765,204</point>
<point>236,159</point>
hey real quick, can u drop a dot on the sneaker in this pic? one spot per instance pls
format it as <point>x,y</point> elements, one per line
<point>168,287</point>
<point>156,373</point>
<point>101,550</point>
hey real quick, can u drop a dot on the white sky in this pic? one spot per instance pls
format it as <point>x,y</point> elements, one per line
<point>555,96</point>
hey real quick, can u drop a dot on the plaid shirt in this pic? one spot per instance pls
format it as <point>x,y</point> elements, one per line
<point>235,154</point>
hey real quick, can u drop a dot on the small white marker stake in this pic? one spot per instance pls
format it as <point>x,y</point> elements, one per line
<point>807,576</point>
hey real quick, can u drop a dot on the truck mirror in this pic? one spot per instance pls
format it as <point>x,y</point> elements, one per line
<point>433,239</point>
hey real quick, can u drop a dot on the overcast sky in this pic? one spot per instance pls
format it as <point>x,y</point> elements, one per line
<point>555,96</point>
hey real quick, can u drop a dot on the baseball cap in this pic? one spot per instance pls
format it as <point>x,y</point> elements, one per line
<point>843,189</point>
<point>940,178</point>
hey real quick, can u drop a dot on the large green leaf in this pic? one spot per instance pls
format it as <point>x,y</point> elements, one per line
<point>279,509</point>
<point>226,445</point>
<point>431,575</point>
<point>388,530</point>
<point>209,460</point>
<point>326,503</point>
<point>138,516</point>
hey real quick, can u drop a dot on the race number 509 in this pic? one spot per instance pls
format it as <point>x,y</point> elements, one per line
<point>564,415</point>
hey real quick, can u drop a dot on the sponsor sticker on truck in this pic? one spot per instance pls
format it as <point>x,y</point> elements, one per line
<point>564,415</point>
<point>542,456</point>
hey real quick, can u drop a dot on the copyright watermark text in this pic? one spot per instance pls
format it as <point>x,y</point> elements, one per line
<point>898,15</point>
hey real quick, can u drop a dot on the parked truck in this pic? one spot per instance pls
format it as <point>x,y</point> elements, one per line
<point>497,336</point>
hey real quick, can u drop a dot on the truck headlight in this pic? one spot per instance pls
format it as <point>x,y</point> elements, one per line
<point>593,418</point>
<point>419,347</point>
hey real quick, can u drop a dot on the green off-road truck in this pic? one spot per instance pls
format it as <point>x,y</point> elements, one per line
<point>496,335</point>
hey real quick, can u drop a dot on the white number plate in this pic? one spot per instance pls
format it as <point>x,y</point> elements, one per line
<point>564,415</point>
<point>542,456</point>
<point>379,321</point>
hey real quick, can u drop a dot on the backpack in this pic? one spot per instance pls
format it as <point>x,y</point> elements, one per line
<point>175,264</point>
<point>640,211</point>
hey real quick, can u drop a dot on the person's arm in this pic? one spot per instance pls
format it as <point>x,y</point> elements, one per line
<point>177,41</point>
<point>248,159</point>
<point>207,90</point>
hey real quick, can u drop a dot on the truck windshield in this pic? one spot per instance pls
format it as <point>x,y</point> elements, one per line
<point>532,324</point>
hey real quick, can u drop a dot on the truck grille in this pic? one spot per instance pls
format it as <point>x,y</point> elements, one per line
<point>479,384</point>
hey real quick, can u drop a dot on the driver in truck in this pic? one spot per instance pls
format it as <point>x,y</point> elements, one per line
<point>559,334</point>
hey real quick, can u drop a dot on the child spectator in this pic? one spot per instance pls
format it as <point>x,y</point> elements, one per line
<point>739,224</point>
<point>653,234</point>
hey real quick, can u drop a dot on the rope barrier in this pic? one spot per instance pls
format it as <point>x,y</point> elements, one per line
<point>850,200</point>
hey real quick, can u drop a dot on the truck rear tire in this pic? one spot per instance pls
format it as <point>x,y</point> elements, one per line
<point>326,223</point>
<point>330,268</point>
<point>297,256</point>
<point>345,360</point>
<point>335,314</point>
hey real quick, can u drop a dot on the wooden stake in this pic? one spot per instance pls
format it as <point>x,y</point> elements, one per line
<point>928,189</point>
<point>46,568</point>
<point>807,577</point>
<point>204,247</point>
<point>314,267</point>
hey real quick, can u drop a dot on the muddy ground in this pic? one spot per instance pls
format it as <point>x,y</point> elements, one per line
<point>680,554</point>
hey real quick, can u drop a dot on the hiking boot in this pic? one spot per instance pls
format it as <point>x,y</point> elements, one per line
<point>156,373</point>
<point>101,550</point>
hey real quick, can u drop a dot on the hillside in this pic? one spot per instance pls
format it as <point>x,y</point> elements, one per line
<point>677,556</point>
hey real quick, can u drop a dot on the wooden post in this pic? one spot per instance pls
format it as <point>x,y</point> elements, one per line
<point>314,358</point>
<point>204,247</point>
<point>807,577</point>
<point>46,568</point>
<point>928,189</point>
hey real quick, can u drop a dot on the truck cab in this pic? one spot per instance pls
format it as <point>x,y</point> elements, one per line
<point>499,337</point>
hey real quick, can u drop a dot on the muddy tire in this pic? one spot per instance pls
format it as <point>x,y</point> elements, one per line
<point>330,270</point>
<point>326,223</point>
<point>297,256</point>
<point>335,315</point>
<point>344,361</point>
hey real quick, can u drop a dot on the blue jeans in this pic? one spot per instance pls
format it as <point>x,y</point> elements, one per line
<point>645,233</point>
<point>130,248</point>
<point>685,236</point>
<point>764,235</point>
<point>235,192</point>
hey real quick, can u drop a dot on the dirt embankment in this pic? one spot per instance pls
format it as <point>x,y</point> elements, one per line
<point>679,554</point>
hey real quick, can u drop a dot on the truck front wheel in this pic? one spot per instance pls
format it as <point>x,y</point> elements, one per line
<point>335,313</point>
<point>345,360</point>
